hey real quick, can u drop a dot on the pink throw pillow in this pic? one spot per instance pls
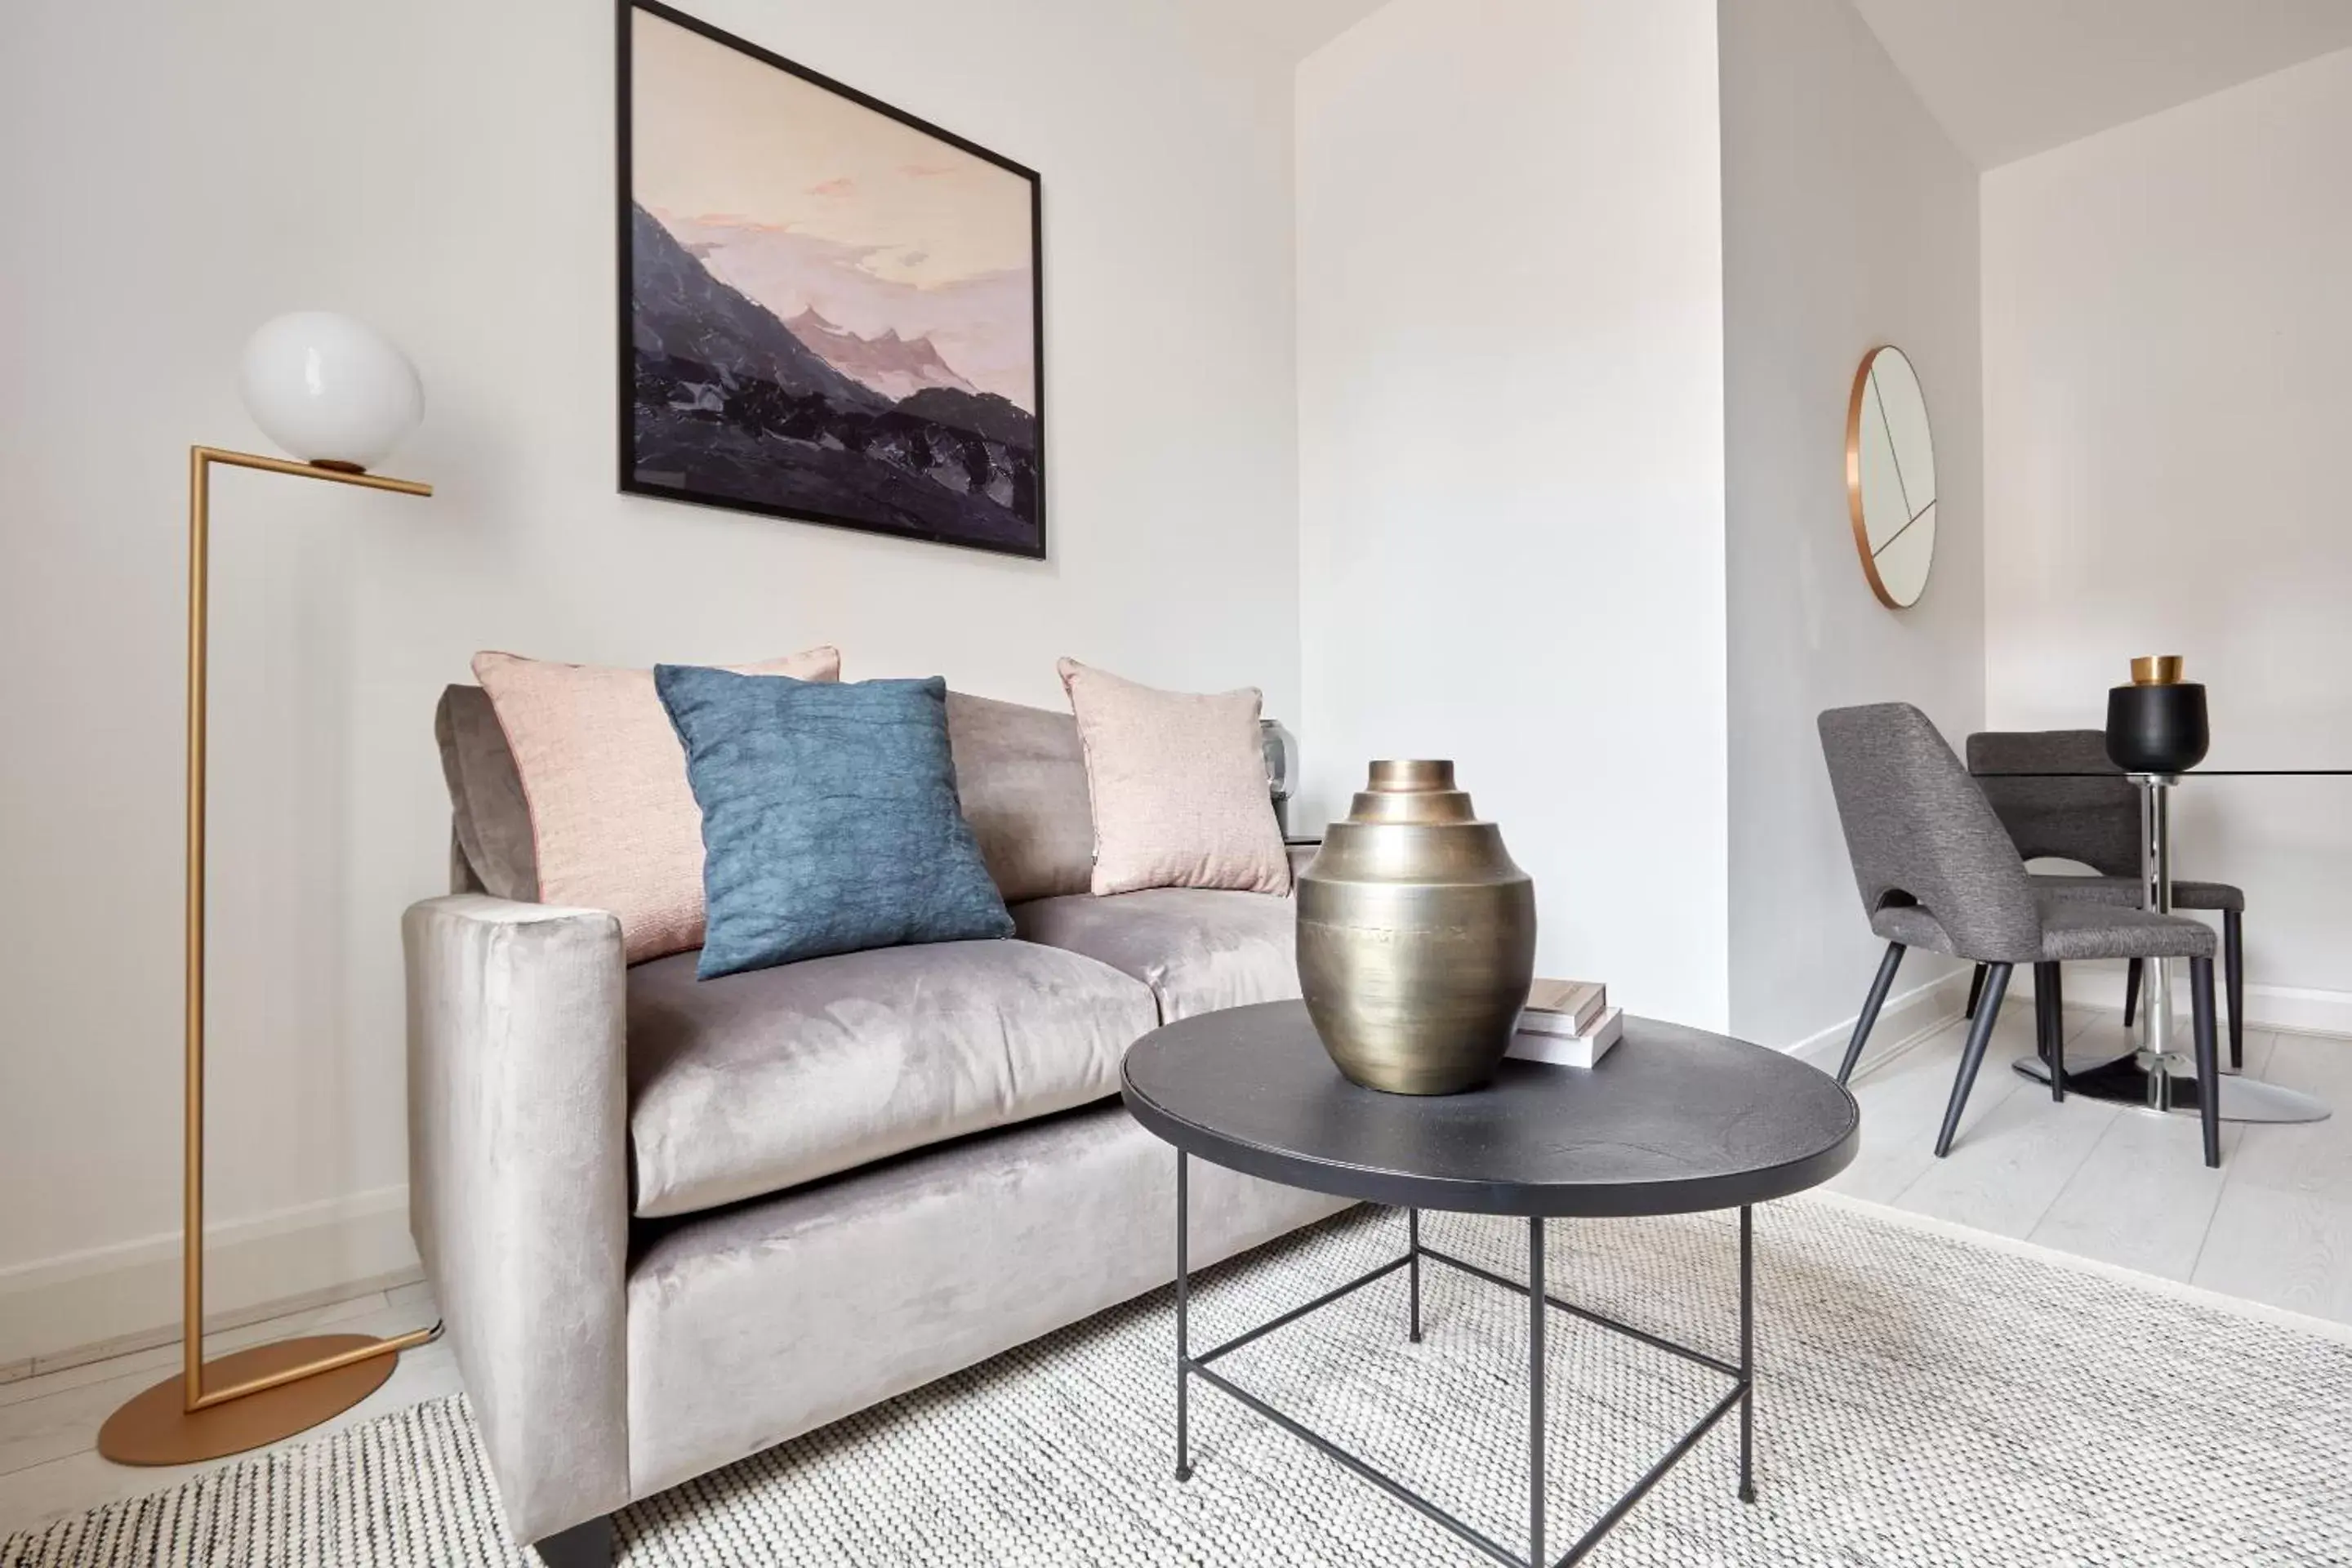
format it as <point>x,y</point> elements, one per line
<point>1178,786</point>
<point>612,821</point>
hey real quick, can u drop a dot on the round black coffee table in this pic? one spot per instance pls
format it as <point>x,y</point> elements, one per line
<point>1673,1120</point>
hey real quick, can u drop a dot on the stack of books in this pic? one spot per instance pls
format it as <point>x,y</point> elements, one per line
<point>1568,1023</point>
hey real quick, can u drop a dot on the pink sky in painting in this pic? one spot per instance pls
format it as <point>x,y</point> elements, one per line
<point>980,325</point>
<point>803,200</point>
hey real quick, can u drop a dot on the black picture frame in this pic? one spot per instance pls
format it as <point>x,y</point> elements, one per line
<point>631,481</point>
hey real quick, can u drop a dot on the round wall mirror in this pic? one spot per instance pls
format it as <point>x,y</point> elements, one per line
<point>1890,477</point>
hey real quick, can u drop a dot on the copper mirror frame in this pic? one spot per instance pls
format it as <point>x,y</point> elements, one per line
<point>1890,477</point>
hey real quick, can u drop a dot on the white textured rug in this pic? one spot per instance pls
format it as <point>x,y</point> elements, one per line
<point>1923,1398</point>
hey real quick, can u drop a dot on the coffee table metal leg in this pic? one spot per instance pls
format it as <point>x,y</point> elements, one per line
<point>1539,1301</point>
<point>1746,1353</point>
<point>1184,1342</point>
<point>1412,1234</point>
<point>1536,1313</point>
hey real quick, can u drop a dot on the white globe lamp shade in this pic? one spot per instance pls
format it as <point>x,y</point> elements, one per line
<point>329,389</point>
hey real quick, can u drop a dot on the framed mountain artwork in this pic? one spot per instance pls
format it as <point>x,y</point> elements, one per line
<point>830,309</point>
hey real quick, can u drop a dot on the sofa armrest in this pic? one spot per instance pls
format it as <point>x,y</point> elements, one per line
<point>519,1187</point>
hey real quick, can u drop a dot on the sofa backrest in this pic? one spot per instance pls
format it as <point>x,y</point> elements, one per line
<point>1020,772</point>
<point>1022,776</point>
<point>486,800</point>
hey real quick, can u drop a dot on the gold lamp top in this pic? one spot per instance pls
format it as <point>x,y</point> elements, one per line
<point>2157,669</point>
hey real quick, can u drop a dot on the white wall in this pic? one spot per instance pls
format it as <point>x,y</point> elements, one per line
<point>1510,400</point>
<point>1849,221</point>
<point>2167,313</point>
<point>174,175</point>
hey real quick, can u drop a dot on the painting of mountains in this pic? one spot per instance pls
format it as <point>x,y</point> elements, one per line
<point>829,311</point>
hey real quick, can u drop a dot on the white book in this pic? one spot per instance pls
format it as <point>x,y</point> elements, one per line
<point>1563,1007</point>
<point>1541,1021</point>
<point>1571,1050</point>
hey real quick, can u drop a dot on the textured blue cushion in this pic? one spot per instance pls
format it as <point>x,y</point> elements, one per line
<point>830,822</point>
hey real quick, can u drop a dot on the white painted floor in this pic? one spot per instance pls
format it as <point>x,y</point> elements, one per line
<point>2119,1184</point>
<point>2273,1225</point>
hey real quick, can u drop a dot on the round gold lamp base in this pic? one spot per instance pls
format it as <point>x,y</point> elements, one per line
<point>157,1428</point>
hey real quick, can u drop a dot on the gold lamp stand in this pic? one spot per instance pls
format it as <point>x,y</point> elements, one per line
<point>273,1390</point>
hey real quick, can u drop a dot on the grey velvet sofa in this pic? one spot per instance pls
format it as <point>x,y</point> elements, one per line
<point>670,1223</point>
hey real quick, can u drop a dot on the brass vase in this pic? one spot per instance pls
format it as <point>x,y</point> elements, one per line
<point>1416,936</point>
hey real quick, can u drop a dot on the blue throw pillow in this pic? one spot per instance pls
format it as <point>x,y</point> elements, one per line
<point>830,822</point>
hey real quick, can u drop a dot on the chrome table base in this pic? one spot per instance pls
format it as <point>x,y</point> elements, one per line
<point>2120,1079</point>
<point>2134,1077</point>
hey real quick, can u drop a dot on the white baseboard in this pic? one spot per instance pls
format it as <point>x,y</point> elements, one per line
<point>1908,1019</point>
<point>119,1298</point>
<point>2301,1010</point>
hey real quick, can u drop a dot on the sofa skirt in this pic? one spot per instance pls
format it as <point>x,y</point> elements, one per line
<point>770,1318</point>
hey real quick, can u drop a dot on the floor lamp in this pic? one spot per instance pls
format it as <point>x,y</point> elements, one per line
<point>338,397</point>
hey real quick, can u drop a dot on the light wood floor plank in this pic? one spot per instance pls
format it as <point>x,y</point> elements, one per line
<point>154,1362</point>
<point>2005,1171</point>
<point>2144,1199</point>
<point>2283,1231</point>
<point>79,1478</point>
<point>66,1418</point>
<point>1903,1103</point>
<point>29,1497</point>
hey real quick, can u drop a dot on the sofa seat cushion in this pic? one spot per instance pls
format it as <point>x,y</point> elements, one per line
<point>1199,949</point>
<point>756,1082</point>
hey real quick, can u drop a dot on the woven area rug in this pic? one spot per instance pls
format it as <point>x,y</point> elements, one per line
<point>1923,1399</point>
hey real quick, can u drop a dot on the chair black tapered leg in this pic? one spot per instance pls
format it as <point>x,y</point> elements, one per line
<point>2233,966</point>
<point>2042,1029</point>
<point>1972,1058</point>
<point>2131,992</point>
<point>2057,1031</point>
<point>1976,990</point>
<point>2209,1070</point>
<point>1870,1006</point>
<point>2050,1026</point>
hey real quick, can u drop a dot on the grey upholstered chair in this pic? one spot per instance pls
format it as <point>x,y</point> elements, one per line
<point>2096,821</point>
<point>1937,871</point>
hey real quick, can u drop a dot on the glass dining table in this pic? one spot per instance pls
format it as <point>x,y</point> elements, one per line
<point>2156,1071</point>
